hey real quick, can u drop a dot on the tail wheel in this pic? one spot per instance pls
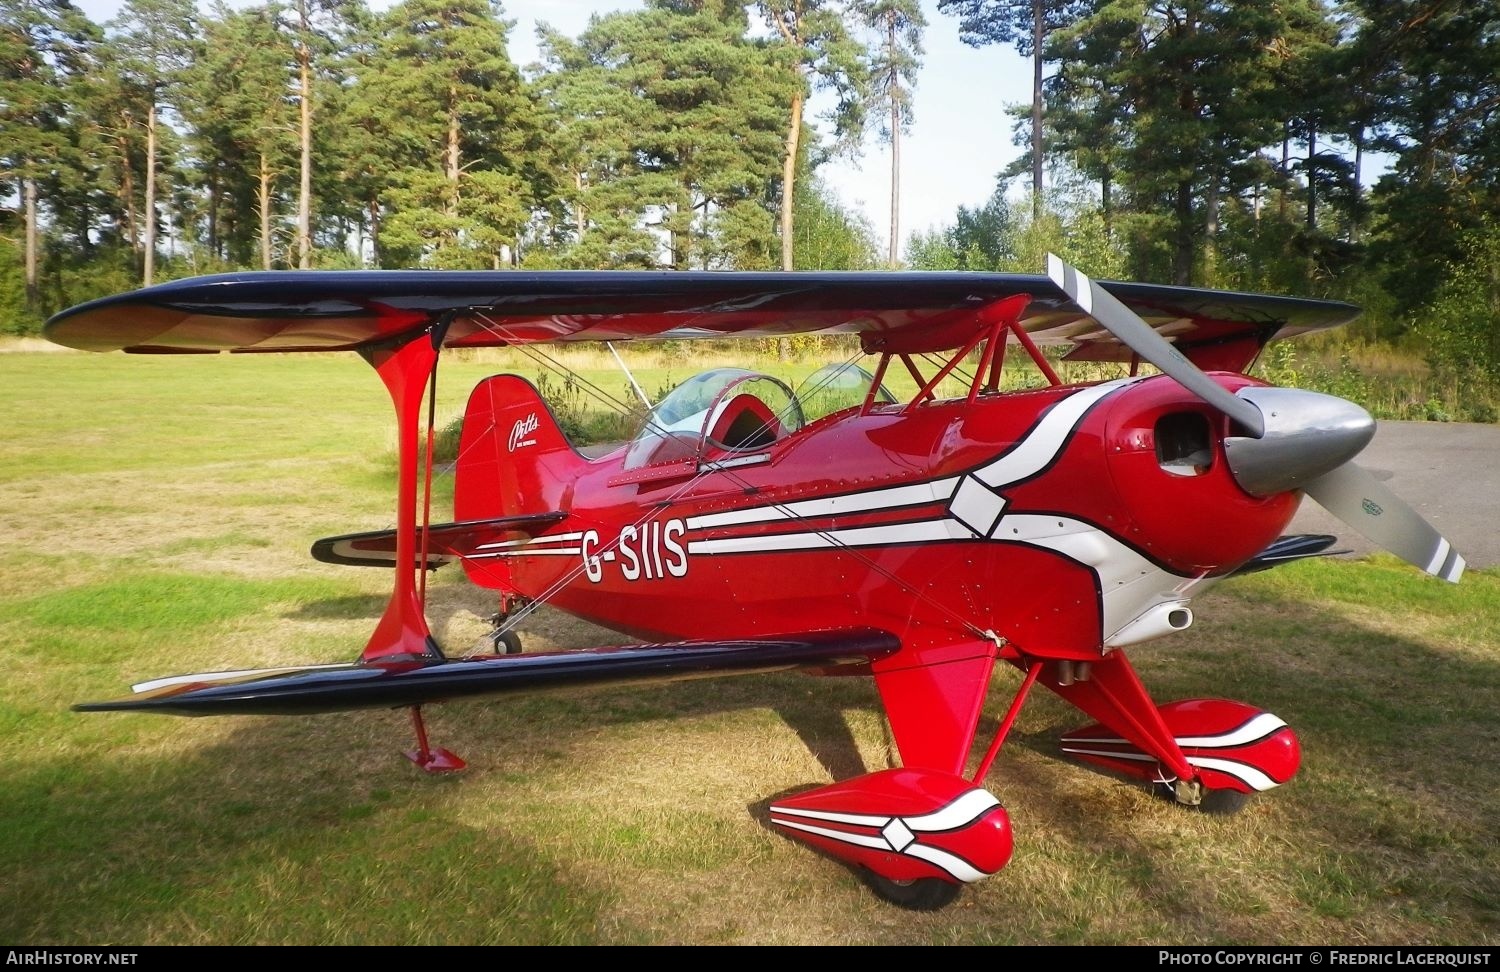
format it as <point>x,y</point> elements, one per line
<point>506,643</point>
<point>921,894</point>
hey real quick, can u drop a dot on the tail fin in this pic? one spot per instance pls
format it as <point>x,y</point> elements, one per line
<point>513,458</point>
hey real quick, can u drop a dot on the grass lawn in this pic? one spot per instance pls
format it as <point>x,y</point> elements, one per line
<point>157,519</point>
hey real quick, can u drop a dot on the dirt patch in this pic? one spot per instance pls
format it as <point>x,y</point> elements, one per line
<point>32,345</point>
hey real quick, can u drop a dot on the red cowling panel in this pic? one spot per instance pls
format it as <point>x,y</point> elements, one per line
<point>1231,745</point>
<point>904,824</point>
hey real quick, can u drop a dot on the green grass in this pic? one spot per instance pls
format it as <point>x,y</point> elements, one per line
<point>158,516</point>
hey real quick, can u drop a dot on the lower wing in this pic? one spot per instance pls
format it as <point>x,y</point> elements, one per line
<point>335,688</point>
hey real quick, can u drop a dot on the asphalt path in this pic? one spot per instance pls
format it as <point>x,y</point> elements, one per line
<point>1448,471</point>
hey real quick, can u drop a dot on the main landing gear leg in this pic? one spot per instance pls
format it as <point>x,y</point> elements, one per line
<point>1139,742</point>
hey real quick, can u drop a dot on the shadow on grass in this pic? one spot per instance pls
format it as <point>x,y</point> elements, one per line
<point>265,838</point>
<point>1384,836</point>
<point>340,608</point>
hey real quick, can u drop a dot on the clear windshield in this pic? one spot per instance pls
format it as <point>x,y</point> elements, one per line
<point>835,387</point>
<point>728,407</point>
<point>752,413</point>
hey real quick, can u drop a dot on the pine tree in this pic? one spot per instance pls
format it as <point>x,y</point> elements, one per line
<point>1435,70</point>
<point>893,70</point>
<point>246,140</point>
<point>667,128</point>
<point>317,27</point>
<point>1026,26</point>
<point>820,54</point>
<point>1197,88</point>
<point>443,70</point>
<point>43,49</point>
<point>156,40</point>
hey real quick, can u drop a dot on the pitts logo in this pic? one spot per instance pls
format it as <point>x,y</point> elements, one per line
<point>521,430</point>
<point>651,550</point>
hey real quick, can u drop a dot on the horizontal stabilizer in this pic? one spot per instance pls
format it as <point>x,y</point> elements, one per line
<point>446,542</point>
<point>337,688</point>
<point>1284,550</point>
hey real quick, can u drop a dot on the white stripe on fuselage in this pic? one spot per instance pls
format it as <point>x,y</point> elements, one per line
<point>1044,443</point>
<point>922,531</point>
<point>527,552</point>
<point>550,538</point>
<point>892,497</point>
<point>1121,571</point>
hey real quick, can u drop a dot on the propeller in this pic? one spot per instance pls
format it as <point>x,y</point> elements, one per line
<point>1353,495</point>
<point>1291,438</point>
<point>1141,338</point>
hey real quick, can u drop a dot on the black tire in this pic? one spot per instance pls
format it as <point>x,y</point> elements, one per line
<point>506,642</point>
<point>923,894</point>
<point>1219,803</point>
<point>1223,803</point>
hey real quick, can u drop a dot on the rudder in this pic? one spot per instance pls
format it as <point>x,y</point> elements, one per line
<point>513,458</point>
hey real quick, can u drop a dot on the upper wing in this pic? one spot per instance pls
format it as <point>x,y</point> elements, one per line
<point>348,310</point>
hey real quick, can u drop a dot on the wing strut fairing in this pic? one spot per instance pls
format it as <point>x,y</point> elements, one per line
<point>407,365</point>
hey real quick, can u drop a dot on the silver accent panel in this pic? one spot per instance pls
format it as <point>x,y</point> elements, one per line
<point>1306,435</point>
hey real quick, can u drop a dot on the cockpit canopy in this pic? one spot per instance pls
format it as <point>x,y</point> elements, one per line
<point>729,410</point>
<point>726,409</point>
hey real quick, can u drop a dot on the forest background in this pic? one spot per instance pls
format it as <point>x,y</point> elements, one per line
<point>1346,149</point>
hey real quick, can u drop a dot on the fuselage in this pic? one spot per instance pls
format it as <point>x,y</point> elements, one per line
<point>1066,521</point>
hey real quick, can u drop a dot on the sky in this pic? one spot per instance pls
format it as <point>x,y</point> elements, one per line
<point>960,138</point>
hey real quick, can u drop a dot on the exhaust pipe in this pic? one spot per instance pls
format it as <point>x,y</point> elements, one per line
<point>1162,619</point>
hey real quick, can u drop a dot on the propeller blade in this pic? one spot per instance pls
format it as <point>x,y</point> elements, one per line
<point>1137,335</point>
<point>1355,496</point>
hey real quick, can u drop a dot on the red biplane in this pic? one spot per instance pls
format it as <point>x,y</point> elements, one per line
<point>833,529</point>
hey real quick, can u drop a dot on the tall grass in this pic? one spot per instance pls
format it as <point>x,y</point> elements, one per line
<point>1388,383</point>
